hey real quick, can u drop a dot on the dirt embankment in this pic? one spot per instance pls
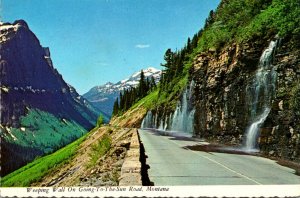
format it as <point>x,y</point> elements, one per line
<point>104,170</point>
<point>131,118</point>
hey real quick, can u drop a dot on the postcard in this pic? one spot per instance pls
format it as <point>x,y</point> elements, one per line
<point>136,98</point>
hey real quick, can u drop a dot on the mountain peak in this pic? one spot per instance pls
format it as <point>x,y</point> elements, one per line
<point>148,72</point>
<point>12,26</point>
<point>21,22</point>
<point>109,83</point>
<point>103,96</point>
<point>151,69</point>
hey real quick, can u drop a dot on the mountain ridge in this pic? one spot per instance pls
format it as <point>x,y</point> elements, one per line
<point>104,96</point>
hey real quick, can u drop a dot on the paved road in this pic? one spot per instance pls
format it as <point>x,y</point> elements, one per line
<point>171,164</point>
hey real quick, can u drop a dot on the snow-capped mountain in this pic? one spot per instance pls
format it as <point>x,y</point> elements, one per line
<point>103,96</point>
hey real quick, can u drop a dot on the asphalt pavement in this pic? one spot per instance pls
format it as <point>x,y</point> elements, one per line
<point>172,164</point>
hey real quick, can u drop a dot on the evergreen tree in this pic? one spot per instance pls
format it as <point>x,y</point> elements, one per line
<point>169,72</point>
<point>116,107</point>
<point>142,84</point>
<point>210,19</point>
<point>129,96</point>
<point>152,83</point>
<point>100,121</point>
<point>168,57</point>
<point>121,107</point>
<point>188,45</point>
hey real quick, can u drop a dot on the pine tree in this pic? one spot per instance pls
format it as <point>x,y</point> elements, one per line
<point>121,107</point>
<point>142,84</point>
<point>188,45</point>
<point>210,19</point>
<point>169,72</point>
<point>152,83</point>
<point>168,57</point>
<point>116,107</point>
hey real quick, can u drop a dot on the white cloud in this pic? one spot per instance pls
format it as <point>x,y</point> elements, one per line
<point>141,46</point>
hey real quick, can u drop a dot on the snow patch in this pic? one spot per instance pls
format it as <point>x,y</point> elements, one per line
<point>9,132</point>
<point>127,83</point>
<point>5,89</point>
<point>123,81</point>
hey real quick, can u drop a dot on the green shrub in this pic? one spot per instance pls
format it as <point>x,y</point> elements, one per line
<point>99,149</point>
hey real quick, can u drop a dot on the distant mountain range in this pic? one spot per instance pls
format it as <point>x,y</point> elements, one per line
<point>40,112</point>
<point>103,96</point>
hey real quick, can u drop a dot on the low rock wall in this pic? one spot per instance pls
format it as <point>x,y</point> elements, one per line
<point>131,171</point>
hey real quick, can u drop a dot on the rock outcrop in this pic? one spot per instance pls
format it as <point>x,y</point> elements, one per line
<point>222,113</point>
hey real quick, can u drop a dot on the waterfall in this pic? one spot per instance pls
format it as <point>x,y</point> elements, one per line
<point>148,120</point>
<point>253,129</point>
<point>259,95</point>
<point>161,125</point>
<point>182,120</point>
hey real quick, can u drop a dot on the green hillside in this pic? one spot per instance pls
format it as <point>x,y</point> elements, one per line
<point>34,171</point>
<point>39,133</point>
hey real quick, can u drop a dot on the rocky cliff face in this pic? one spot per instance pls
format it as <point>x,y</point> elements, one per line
<point>35,100</point>
<point>28,79</point>
<point>252,85</point>
<point>222,112</point>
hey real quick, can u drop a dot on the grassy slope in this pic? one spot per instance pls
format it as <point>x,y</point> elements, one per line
<point>95,157</point>
<point>97,161</point>
<point>43,131</point>
<point>35,170</point>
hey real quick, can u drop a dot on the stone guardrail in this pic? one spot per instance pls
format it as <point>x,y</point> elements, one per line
<point>131,171</point>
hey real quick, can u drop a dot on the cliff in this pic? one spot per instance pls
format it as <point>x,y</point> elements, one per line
<point>40,112</point>
<point>223,113</point>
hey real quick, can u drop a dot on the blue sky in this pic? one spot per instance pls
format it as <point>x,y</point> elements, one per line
<point>96,41</point>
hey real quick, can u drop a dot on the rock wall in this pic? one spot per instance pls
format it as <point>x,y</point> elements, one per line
<point>220,83</point>
<point>131,171</point>
<point>222,114</point>
<point>280,136</point>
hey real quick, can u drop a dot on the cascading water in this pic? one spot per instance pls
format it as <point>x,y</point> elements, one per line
<point>161,125</point>
<point>181,121</point>
<point>183,118</point>
<point>259,95</point>
<point>148,121</point>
